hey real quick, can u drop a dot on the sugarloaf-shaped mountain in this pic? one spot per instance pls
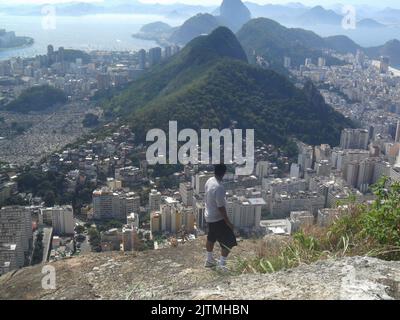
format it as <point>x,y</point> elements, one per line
<point>209,84</point>
<point>234,14</point>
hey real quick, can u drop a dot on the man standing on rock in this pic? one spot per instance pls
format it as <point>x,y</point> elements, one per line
<point>219,227</point>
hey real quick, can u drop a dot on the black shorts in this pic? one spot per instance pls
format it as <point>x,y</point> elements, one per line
<point>220,231</point>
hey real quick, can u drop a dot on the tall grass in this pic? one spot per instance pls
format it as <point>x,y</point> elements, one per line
<point>360,230</point>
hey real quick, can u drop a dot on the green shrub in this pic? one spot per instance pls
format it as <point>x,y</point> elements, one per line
<point>360,230</point>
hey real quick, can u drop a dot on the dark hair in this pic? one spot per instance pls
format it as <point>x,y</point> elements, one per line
<point>220,170</point>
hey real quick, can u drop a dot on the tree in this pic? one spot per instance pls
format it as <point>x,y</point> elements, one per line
<point>90,120</point>
<point>80,229</point>
<point>50,199</point>
<point>95,239</point>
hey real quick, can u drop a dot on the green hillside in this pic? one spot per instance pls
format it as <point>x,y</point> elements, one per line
<point>210,84</point>
<point>194,27</point>
<point>274,41</point>
<point>189,64</point>
<point>37,99</point>
<point>390,49</point>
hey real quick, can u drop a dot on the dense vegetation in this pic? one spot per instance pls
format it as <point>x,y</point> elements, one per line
<point>37,256</point>
<point>94,239</point>
<point>51,187</point>
<point>91,120</point>
<point>390,49</point>
<point>209,85</point>
<point>37,99</point>
<point>274,41</point>
<point>156,27</point>
<point>342,44</point>
<point>361,230</point>
<point>70,55</point>
<point>194,27</point>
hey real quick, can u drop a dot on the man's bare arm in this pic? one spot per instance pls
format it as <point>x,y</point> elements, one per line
<point>224,214</point>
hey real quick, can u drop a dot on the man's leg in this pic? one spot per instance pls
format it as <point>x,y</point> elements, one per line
<point>228,241</point>
<point>210,246</point>
<point>210,261</point>
<point>224,256</point>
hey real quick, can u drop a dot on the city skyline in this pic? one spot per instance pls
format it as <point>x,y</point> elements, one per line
<point>132,142</point>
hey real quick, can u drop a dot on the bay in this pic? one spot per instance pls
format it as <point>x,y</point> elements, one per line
<point>111,32</point>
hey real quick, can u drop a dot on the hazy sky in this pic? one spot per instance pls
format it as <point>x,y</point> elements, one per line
<point>381,3</point>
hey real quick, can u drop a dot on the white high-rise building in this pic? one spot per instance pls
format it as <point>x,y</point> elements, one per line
<point>114,205</point>
<point>354,139</point>
<point>295,171</point>
<point>60,218</point>
<point>287,62</point>
<point>245,213</point>
<point>133,220</point>
<point>263,169</point>
<point>305,158</point>
<point>129,237</point>
<point>154,200</point>
<point>15,237</point>
<point>200,181</point>
<point>397,139</point>
<point>321,62</point>
<point>186,191</point>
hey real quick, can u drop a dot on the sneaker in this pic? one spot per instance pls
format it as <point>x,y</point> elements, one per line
<point>223,269</point>
<point>211,264</point>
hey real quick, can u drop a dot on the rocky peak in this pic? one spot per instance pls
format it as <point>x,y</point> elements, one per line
<point>234,14</point>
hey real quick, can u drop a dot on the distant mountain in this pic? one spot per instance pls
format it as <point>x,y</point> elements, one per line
<point>281,13</point>
<point>209,84</point>
<point>390,49</point>
<point>8,40</point>
<point>198,25</point>
<point>273,41</point>
<point>175,14</point>
<point>109,7</point>
<point>234,14</point>
<point>70,55</point>
<point>342,44</point>
<point>79,9</point>
<point>157,31</point>
<point>388,16</point>
<point>318,15</point>
<point>370,23</point>
<point>157,26</point>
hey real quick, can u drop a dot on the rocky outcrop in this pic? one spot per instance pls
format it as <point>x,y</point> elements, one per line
<point>234,14</point>
<point>355,278</point>
<point>178,273</point>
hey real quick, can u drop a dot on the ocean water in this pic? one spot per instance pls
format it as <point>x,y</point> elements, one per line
<point>365,37</point>
<point>113,32</point>
<point>92,32</point>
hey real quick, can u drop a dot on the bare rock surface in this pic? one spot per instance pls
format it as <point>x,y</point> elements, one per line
<point>178,273</point>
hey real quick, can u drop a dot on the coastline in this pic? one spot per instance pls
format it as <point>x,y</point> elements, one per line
<point>28,43</point>
<point>160,41</point>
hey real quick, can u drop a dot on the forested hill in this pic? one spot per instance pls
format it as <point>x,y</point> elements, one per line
<point>210,84</point>
<point>38,98</point>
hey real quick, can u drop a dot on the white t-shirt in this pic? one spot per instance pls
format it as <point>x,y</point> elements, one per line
<point>214,198</point>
